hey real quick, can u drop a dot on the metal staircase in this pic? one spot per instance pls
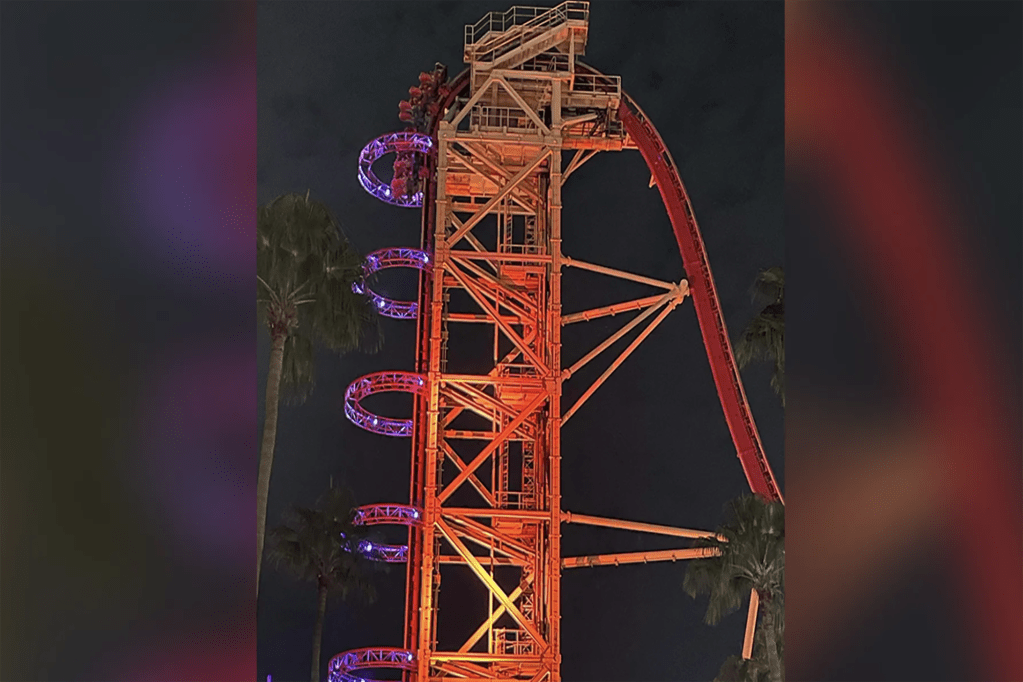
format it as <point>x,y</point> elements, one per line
<point>502,40</point>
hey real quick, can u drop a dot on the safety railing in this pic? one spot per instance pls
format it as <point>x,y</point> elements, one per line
<point>517,370</point>
<point>526,249</point>
<point>597,84</point>
<point>514,642</point>
<point>515,499</point>
<point>527,22</point>
<point>546,62</point>
<point>500,118</point>
<point>526,17</point>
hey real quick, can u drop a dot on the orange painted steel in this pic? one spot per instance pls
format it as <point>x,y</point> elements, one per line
<point>638,557</point>
<point>708,310</point>
<point>569,517</point>
<point>485,488</point>
<point>751,621</point>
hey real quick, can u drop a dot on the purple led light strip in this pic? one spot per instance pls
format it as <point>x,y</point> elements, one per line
<point>381,382</point>
<point>385,514</point>
<point>392,142</point>
<point>391,258</point>
<point>342,665</point>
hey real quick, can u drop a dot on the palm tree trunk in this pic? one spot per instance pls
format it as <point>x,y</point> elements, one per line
<point>266,452</point>
<point>318,633</point>
<point>771,644</point>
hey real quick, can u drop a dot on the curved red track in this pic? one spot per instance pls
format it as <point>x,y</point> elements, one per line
<point>705,298</point>
<point>701,286</point>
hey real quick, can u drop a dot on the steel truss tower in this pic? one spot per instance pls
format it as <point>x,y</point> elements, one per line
<point>486,162</point>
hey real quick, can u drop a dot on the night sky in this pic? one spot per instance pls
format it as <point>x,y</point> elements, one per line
<point>652,444</point>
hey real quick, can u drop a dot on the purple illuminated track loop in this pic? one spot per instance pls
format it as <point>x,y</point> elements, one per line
<point>381,382</point>
<point>380,515</point>
<point>342,665</point>
<point>391,258</point>
<point>404,145</point>
<point>402,142</point>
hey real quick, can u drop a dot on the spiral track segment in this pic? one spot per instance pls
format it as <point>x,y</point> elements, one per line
<point>392,142</point>
<point>381,382</point>
<point>384,259</point>
<point>386,515</point>
<point>343,665</point>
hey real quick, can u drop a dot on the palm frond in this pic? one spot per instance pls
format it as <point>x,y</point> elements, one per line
<point>305,268</point>
<point>769,285</point>
<point>763,339</point>
<point>736,669</point>
<point>298,377</point>
<point>318,545</point>
<point>751,557</point>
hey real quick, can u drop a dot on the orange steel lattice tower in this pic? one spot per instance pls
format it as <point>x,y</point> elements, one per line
<point>485,161</point>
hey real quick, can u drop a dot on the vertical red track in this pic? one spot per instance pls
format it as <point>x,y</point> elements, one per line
<point>414,565</point>
<point>705,298</point>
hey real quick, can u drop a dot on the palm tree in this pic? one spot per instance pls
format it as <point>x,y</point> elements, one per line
<point>755,669</point>
<point>320,545</point>
<point>739,669</point>
<point>305,269</point>
<point>751,557</point>
<point>764,337</point>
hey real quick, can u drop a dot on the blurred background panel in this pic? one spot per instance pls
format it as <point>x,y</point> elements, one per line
<point>127,214</point>
<point>127,192</point>
<point>903,218</point>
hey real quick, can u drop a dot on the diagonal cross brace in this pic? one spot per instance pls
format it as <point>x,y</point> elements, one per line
<point>469,526</point>
<point>473,480</point>
<point>489,581</point>
<point>529,308</point>
<point>473,101</point>
<point>504,175</point>
<point>522,103</point>
<point>519,342</point>
<point>501,194</point>
<point>498,612</point>
<point>493,445</point>
<point>471,398</point>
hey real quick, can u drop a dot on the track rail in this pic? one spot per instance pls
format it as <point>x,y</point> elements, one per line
<point>384,259</point>
<point>343,665</point>
<point>402,143</point>
<point>381,382</point>
<point>712,325</point>
<point>389,515</point>
<point>705,299</point>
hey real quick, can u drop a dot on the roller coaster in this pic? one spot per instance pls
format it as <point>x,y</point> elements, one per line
<point>482,158</point>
